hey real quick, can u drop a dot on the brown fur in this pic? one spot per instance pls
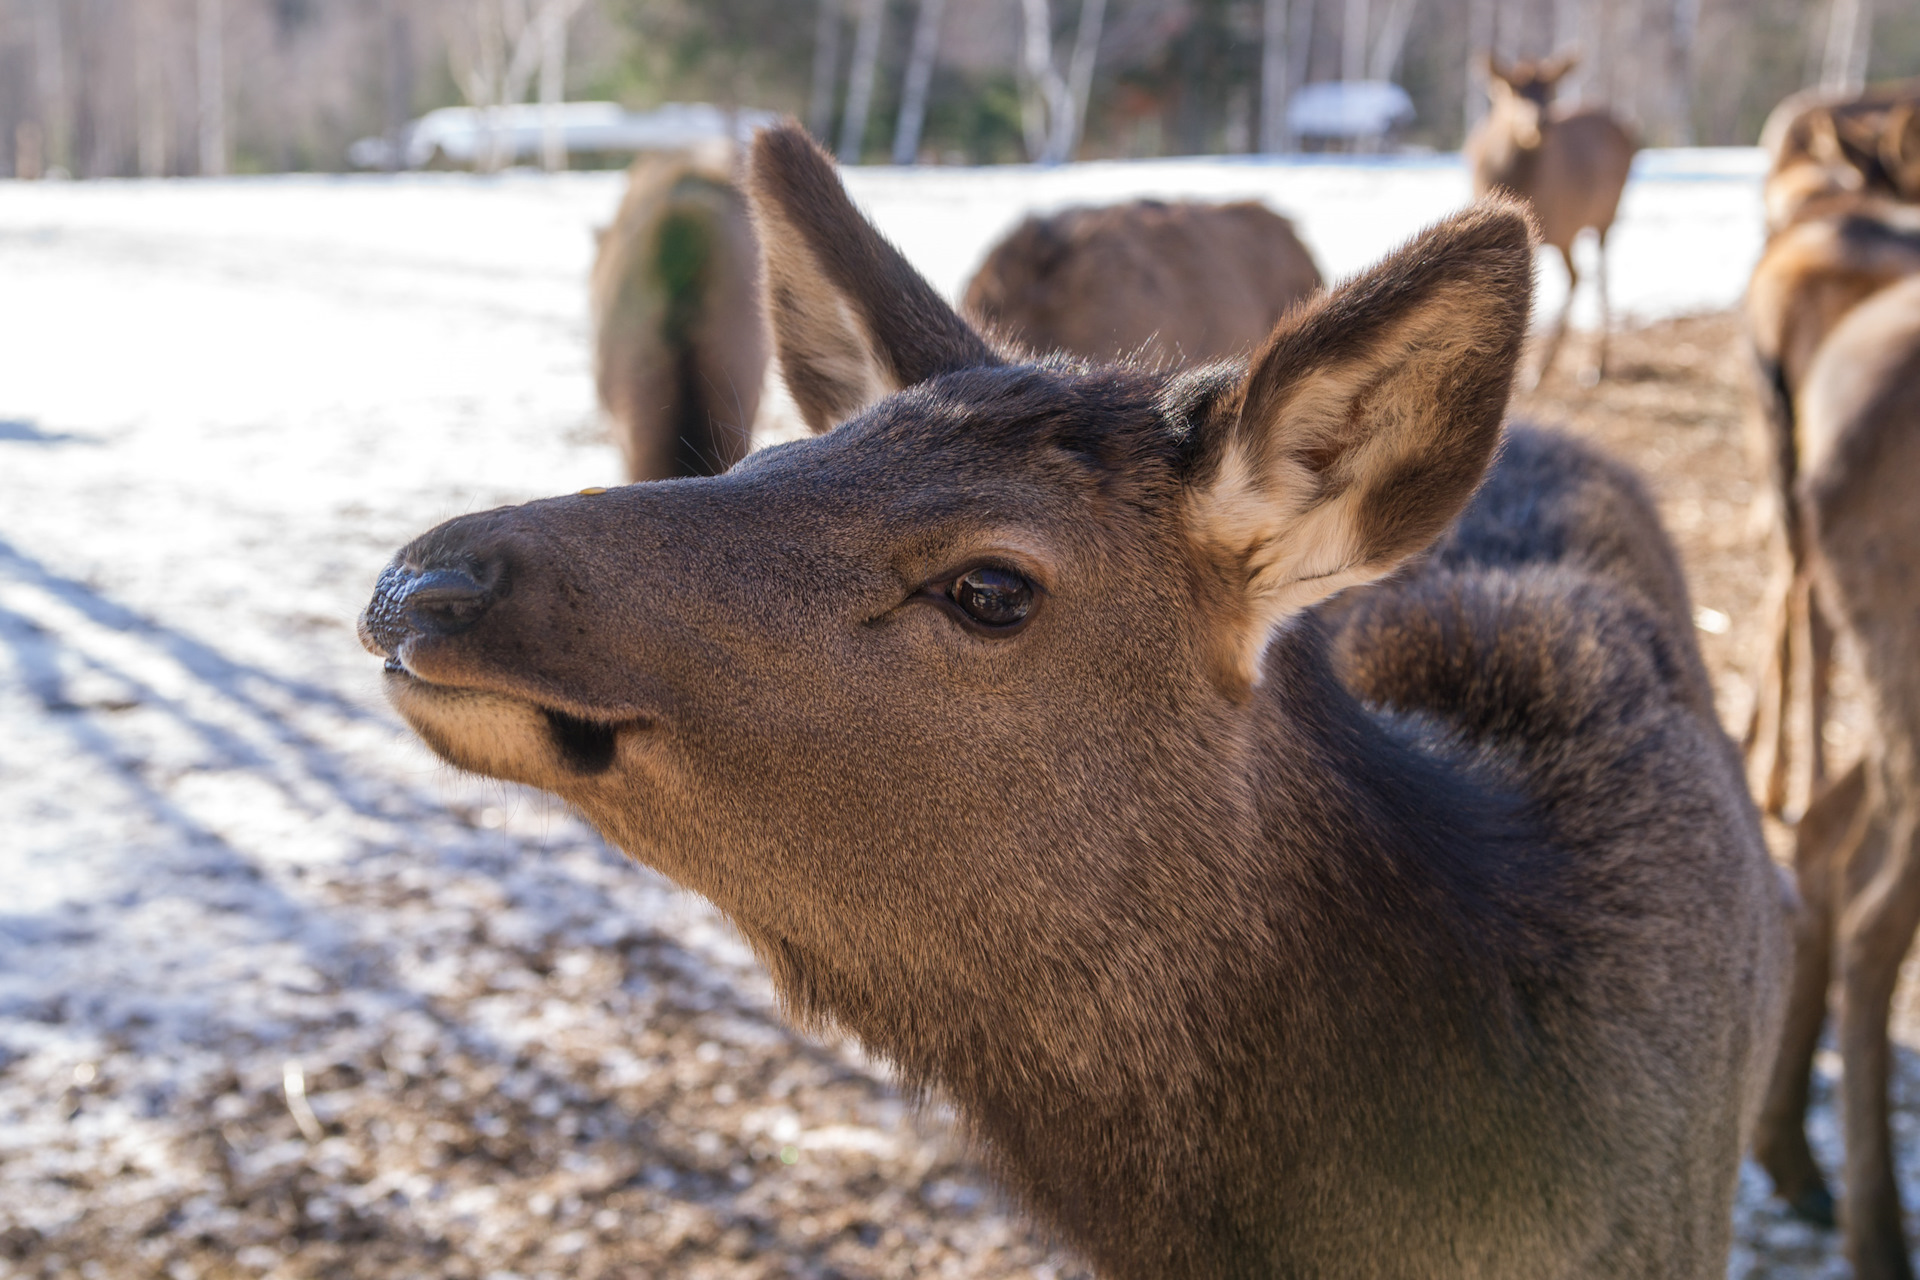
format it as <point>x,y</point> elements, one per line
<point>1858,848</point>
<point>1822,147</point>
<point>1570,167</point>
<point>1231,973</point>
<point>680,347</point>
<point>1180,282</point>
<point>1840,250</point>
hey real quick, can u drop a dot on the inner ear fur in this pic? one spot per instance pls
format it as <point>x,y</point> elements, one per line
<point>852,320</point>
<point>1365,422</point>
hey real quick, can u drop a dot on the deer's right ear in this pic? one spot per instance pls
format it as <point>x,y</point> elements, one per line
<point>1363,425</point>
<point>853,322</point>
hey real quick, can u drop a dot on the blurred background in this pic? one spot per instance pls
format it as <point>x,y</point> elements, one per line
<point>122,88</point>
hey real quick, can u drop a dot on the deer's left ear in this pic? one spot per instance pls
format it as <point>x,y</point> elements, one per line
<point>1364,424</point>
<point>1557,66</point>
<point>853,321</point>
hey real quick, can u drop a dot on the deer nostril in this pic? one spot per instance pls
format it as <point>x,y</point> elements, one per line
<point>445,601</point>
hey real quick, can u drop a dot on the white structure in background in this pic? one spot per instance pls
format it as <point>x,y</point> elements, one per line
<point>465,135</point>
<point>1361,114</point>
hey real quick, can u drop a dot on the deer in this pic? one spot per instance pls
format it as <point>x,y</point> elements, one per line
<point>1841,248</point>
<point>1857,848</point>
<point>1433,940</point>
<point>680,343</point>
<point>1822,145</point>
<point>1570,168</point>
<point>1183,281</point>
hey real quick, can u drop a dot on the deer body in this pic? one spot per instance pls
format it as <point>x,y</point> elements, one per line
<point>680,346</point>
<point>1570,168</point>
<point>1838,250</point>
<point>1183,281</point>
<point>1432,937</point>
<point>1858,847</point>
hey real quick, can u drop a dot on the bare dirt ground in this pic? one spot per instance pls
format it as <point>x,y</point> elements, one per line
<point>281,997</point>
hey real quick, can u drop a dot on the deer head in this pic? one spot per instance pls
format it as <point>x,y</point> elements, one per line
<point>949,708</point>
<point>1522,92</point>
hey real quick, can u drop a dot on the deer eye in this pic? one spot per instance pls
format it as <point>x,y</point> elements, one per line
<point>992,597</point>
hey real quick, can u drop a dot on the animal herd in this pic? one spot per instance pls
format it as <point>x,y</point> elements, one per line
<point>1167,709</point>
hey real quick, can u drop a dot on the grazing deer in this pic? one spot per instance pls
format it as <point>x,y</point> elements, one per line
<point>1857,850</point>
<point>1571,167</point>
<point>1843,248</point>
<point>999,720</point>
<point>680,346</point>
<point>1174,282</point>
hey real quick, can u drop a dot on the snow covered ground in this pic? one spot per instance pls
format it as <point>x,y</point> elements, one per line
<point>229,881</point>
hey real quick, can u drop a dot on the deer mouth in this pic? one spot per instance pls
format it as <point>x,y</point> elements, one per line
<point>505,734</point>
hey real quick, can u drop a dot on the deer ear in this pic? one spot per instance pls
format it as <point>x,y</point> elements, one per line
<point>852,320</point>
<point>1364,423</point>
<point>1900,150</point>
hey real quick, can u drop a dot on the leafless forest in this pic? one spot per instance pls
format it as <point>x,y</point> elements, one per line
<point>117,88</point>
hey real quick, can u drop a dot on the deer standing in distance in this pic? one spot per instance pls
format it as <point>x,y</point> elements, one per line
<point>1569,166</point>
<point>680,343</point>
<point>1437,942</point>
<point>1857,849</point>
<point>1182,282</point>
<point>1839,249</point>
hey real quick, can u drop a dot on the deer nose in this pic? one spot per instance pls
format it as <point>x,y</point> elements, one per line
<point>434,602</point>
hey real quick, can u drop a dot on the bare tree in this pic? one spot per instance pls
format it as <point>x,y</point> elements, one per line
<point>919,78</point>
<point>1391,41</point>
<point>860,79</point>
<point>1843,68</point>
<point>826,69</point>
<point>149,88</point>
<point>1353,39</point>
<point>1053,106</point>
<point>1479,44</point>
<point>50,76</point>
<point>210,63</point>
<point>1273,77</point>
<point>551,28</point>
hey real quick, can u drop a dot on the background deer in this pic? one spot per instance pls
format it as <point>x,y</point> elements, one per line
<point>1182,281</point>
<point>1821,145</point>
<point>680,347</point>
<point>999,721</point>
<point>1857,850</point>
<point>1570,167</point>
<point>1853,239</point>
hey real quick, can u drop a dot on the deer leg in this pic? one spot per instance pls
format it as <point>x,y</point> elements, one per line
<point>1875,929</point>
<point>1780,1138</point>
<point>1819,687</point>
<point>1559,330</point>
<point>1593,375</point>
<point>1765,741</point>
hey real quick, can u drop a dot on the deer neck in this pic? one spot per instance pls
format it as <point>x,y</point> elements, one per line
<point>1314,955</point>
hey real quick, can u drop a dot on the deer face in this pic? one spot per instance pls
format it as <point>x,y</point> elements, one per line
<point>903,697</point>
<point>1523,91</point>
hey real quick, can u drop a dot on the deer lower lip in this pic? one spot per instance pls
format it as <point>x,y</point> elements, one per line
<point>586,745</point>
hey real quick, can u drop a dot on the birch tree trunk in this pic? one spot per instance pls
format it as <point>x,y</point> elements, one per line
<point>826,69</point>
<point>211,66</point>
<point>919,78</point>
<point>1086,51</point>
<point>1043,93</point>
<point>1391,42</point>
<point>50,75</point>
<point>1353,39</point>
<point>1299,50</point>
<point>1479,45</point>
<point>1849,31</point>
<point>553,91</point>
<point>1273,78</point>
<point>149,90</point>
<point>860,76</point>
<point>1685,20</point>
